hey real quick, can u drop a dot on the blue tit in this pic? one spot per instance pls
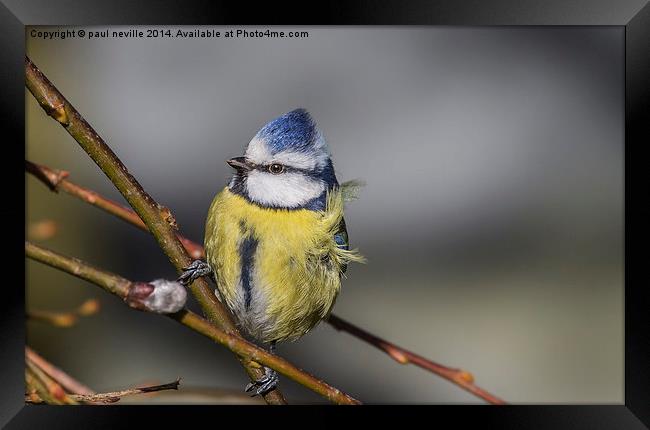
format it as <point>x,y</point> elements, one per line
<point>275,237</point>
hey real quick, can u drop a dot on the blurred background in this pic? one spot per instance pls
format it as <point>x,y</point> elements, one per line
<point>492,218</point>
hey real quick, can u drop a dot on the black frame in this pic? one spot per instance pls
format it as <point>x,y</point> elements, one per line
<point>634,15</point>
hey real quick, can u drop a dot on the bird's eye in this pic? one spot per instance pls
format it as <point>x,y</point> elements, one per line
<point>276,168</point>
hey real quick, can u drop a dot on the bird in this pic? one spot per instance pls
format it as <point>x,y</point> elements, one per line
<point>276,241</point>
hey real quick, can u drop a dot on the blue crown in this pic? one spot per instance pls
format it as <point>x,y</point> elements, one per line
<point>294,130</point>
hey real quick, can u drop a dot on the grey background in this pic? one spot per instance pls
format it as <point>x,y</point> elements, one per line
<point>492,218</point>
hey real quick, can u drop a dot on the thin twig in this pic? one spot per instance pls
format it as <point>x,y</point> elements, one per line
<point>460,377</point>
<point>56,180</point>
<point>48,384</point>
<point>104,398</point>
<point>210,395</point>
<point>115,396</point>
<point>64,319</point>
<point>157,218</point>
<point>57,319</point>
<point>36,389</point>
<point>249,352</point>
<point>51,178</point>
<point>47,387</point>
<point>68,382</point>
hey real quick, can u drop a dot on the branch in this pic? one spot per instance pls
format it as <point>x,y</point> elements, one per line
<point>79,392</point>
<point>158,219</point>
<point>41,385</point>
<point>111,397</point>
<point>46,384</point>
<point>64,319</point>
<point>56,180</point>
<point>68,382</point>
<point>53,179</point>
<point>460,377</point>
<point>130,293</point>
<point>39,390</point>
<point>210,395</point>
<point>115,396</point>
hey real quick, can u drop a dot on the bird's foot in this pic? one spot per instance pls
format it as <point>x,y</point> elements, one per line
<point>194,271</point>
<point>265,384</point>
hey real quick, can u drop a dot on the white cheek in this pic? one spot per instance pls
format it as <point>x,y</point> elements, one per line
<point>284,190</point>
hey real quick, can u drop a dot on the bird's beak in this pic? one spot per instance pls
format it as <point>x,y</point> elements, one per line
<point>239,163</point>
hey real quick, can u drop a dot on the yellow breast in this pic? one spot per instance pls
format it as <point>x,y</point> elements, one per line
<point>277,270</point>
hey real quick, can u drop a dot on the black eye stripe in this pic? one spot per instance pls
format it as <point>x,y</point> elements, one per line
<point>266,168</point>
<point>287,169</point>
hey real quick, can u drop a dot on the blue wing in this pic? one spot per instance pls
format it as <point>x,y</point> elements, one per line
<point>341,239</point>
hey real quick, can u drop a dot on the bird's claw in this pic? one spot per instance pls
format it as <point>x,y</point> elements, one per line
<point>194,271</point>
<point>265,384</point>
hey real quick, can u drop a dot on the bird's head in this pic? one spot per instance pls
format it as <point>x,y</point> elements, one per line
<point>286,165</point>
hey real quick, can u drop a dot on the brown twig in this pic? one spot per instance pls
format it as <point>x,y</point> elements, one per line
<point>64,319</point>
<point>157,218</point>
<point>208,395</point>
<point>56,180</point>
<point>105,398</point>
<point>68,382</point>
<point>125,289</point>
<point>45,387</point>
<point>459,377</point>
<point>115,396</point>
<point>63,385</point>
<point>57,319</point>
<point>36,390</point>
